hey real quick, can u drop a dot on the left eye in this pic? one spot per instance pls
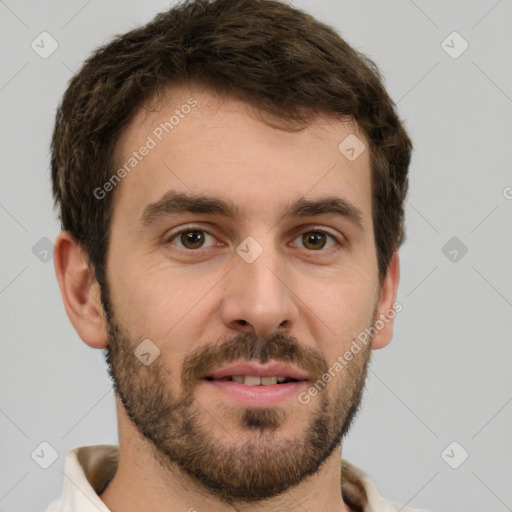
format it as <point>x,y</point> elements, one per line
<point>191,238</point>
<point>317,240</point>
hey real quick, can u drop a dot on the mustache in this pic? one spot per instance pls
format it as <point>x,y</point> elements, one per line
<point>279,347</point>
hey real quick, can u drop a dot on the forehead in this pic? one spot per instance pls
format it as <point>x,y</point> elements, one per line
<point>198,142</point>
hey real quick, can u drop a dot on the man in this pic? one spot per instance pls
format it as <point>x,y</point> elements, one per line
<point>231,180</point>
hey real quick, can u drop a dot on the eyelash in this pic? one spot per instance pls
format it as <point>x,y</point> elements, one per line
<point>338,241</point>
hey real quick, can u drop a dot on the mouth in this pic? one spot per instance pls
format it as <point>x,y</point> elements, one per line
<point>256,380</point>
<point>252,384</point>
<point>253,373</point>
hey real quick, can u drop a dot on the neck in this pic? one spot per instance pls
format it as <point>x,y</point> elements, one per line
<point>142,483</point>
<point>139,486</point>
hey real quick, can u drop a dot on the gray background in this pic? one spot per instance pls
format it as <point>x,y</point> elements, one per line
<point>446,375</point>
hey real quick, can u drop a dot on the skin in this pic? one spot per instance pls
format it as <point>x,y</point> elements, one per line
<point>186,301</point>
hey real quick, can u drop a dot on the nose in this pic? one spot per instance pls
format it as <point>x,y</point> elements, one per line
<point>258,296</point>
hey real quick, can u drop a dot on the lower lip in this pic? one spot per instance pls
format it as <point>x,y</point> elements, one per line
<point>257,396</point>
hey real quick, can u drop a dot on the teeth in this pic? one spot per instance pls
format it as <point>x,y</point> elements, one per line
<point>253,380</point>
<point>249,380</point>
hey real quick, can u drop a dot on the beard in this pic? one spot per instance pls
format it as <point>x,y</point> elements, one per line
<point>260,464</point>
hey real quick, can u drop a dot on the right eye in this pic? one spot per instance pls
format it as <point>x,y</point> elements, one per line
<point>190,238</point>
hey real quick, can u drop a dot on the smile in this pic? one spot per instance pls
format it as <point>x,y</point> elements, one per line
<point>255,380</point>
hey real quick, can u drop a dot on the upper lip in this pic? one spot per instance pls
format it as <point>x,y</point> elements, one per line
<point>270,369</point>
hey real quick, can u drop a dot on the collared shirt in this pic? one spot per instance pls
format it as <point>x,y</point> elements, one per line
<point>89,469</point>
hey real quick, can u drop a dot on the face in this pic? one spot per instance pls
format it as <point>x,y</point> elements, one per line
<point>240,253</point>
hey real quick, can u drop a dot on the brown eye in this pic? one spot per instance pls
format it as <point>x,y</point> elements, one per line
<point>191,239</point>
<point>317,240</point>
<point>314,240</point>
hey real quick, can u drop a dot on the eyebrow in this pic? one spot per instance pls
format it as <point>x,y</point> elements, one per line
<point>174,202</point>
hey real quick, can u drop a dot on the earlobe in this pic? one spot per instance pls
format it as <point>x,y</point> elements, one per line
<point>80,292</point>
<point>386,305</point>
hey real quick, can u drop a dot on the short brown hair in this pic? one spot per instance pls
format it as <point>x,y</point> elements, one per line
<point>264,52</point>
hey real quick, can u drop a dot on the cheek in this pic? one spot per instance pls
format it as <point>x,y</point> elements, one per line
<point>161,303</point>
<point>341,307</point>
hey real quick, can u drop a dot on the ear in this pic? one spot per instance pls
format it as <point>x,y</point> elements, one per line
<point>80,291</point>
<point>386,310</point>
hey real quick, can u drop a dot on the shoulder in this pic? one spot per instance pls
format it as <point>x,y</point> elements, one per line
<point>360,492</point>
<point>399,507</point>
